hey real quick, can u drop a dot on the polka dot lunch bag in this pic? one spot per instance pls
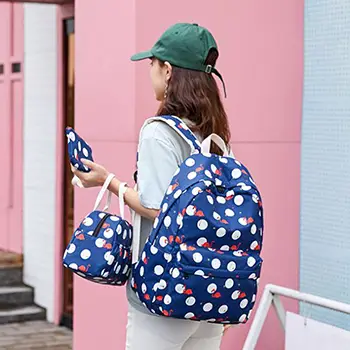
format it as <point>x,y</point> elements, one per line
<point>100,249</point>
<point>202,259</point>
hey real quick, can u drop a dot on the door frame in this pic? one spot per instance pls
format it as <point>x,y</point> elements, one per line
<point>63,12</point>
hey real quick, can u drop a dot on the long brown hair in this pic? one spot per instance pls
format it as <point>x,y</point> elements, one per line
<point>194,95</point>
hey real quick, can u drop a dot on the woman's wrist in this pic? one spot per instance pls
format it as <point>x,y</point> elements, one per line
<point>104,178</point>
<point>114,185</point>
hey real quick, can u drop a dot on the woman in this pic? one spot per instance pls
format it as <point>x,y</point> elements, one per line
<point>182,63</point>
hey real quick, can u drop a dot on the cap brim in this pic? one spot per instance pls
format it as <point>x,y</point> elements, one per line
<point>141,56</point>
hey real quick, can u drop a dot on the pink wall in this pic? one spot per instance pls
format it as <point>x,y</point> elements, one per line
<point>105,116</point>
<point>261,61</point>
<point>11,133</point>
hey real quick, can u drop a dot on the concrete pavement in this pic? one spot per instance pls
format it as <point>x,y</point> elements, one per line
<point>34,335</point>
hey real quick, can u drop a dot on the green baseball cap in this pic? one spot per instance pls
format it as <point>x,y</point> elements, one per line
<point>184,45</point>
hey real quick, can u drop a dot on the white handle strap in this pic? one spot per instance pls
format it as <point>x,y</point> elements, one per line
<point>102,192</point>
<point>136,223</point>
<point>218,141</point>
<point>136,237</point>
<point>123,187</point>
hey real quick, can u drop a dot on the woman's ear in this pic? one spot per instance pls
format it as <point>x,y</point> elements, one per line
<point>168,70</point>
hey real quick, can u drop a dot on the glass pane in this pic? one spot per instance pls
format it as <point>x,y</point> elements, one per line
<point>16,67</point>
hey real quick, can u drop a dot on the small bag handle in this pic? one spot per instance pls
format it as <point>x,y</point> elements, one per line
<point>102,193</point>
<point>122,189</point>
<point>218,141</point>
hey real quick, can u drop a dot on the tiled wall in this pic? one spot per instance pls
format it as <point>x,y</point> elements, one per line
<point>325,196</point>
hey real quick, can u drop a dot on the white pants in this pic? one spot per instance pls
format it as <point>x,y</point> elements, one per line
<point>147,332</point>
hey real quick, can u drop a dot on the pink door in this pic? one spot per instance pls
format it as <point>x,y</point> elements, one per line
<point>11,119</point>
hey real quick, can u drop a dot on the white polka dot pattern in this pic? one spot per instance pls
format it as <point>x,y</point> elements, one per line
<point>100,249</point>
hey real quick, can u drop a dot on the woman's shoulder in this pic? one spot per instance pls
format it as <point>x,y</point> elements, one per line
<point>152,129</point>
<point>161,131</point>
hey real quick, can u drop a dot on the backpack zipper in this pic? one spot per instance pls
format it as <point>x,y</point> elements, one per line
<point>98,227</point>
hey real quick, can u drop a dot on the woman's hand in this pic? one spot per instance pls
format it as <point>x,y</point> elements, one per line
<point>95,177</point>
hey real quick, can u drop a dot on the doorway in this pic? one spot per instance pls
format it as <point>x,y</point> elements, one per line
<point>68,201</point>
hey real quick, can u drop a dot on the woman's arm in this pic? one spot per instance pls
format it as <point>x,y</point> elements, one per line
<point>132,199</point>
<point>156,166</point>
<point>98,175</point>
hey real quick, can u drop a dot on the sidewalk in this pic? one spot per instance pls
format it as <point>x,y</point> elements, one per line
<point>34,335</point>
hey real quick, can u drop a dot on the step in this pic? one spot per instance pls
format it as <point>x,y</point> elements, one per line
<point>22,314</point>
<point>10,259</point>
<point>12,296</point>
<point>10,276</point>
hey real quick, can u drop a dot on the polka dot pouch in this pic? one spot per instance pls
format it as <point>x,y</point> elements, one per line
<point>78,149</point>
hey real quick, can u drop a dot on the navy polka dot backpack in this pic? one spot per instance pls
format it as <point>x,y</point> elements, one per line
<point>100,249</point>
<point>202,259</point>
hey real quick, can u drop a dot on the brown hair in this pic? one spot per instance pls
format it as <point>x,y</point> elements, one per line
<point>194,95</point>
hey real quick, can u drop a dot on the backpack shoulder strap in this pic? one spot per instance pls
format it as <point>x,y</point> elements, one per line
<point>180,127</point>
